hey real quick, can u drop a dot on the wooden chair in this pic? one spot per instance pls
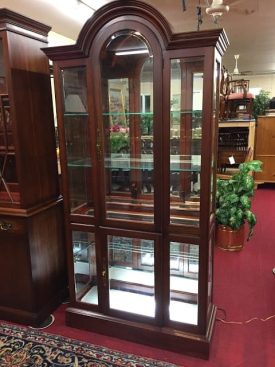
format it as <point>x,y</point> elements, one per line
<point>239,101</point>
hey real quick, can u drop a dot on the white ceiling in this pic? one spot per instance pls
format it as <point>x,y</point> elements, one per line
<point>249,24</point>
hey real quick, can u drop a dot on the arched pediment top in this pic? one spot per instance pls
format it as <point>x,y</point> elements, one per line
<point>104,15</point>
<point>128,10</point>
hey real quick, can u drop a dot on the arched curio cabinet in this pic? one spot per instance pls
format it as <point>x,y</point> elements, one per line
<point>137,119</point>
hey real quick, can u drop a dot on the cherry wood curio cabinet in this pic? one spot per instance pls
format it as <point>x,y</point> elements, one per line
<point>137,120</point>
<point>32,260</point>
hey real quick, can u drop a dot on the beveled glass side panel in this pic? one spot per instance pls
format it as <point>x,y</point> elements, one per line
<point>3,81</point>
<point>85,271</point>
<point>186,96</point>
<point>77,136</point>
<point>216,103</point>
<point>131,275</point>
<point>184,269</point>
<point>9,188</point>
<point>127,87</point>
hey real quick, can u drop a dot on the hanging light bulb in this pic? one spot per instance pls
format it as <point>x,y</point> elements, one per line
<point>217,8</point>
<point>236,70</point>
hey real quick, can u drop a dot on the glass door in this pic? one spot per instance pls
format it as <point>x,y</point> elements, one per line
<point>184,270</point>
<point>186,96</point>
<point>127,95</point>
<point>131,286</point>
<point>9,190</point>
<point>85,267</point>
<point>77,140</point>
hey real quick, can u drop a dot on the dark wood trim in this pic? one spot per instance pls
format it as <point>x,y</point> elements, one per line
<point>20,24</point>
<point>159,337</point>
<point>92,49</point>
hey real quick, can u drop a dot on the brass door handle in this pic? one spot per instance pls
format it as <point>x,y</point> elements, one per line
<point>98,144</point>
<point>104,275</point>
<point>4,226</point>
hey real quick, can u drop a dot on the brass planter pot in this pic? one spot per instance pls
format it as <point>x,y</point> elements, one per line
<point>229,239</point>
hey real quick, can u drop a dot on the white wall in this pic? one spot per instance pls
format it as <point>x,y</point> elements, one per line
<point>56,39</point>
<point>265,82</point>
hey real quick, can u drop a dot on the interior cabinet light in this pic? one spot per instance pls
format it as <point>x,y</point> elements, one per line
<point>131,52</point>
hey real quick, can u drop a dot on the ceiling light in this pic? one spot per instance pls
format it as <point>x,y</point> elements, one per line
<point>236,70</point>
<point>73,9</point>
<point>217,8</point>
<point>93,4</point>
<point>88,3</point>
<point>131,52</point>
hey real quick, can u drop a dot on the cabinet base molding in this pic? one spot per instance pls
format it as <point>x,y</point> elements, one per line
<point>165,338</point>
<point>33,278</point>
<point>32,318</point>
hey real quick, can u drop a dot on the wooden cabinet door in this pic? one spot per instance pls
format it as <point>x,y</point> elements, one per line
<point>265,148</point>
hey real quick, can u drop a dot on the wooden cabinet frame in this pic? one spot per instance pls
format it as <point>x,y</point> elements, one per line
<point>32,268</point>
<point>158,328</point>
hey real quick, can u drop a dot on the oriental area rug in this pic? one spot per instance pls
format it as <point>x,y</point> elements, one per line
<point>27,347</point>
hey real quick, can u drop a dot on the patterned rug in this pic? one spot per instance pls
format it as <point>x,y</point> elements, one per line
<point>27,347</point>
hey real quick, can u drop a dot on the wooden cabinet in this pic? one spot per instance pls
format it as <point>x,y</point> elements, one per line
<point>137,125</point>
<point>265,148</point>
<point>235,139</point>
<point>32,260</point>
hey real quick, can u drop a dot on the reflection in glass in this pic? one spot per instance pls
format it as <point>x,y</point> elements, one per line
<point>184,261</point>
<point>186,95</point>
<point>127,86</point>
<point>77,140</point>
<point>9,189</point>
<point>216,103</point>
<point>3,81</point>
<point>85,272</point>
<point>131,275</point>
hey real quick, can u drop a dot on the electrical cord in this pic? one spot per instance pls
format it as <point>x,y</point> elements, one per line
<point>224,321</point>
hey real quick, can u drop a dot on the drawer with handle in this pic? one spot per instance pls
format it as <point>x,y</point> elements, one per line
<point>11,225</point>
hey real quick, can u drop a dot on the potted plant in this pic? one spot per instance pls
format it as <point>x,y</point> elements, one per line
<point>260,103</point>
<point>233,207</point>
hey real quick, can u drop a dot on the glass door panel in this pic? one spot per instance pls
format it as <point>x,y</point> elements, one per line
<point>131,275</point>
<point>9,190</point>
<point>77,138</point>
<point>127,94</point>
<point>85,270</point>
<point>3,78</point>
<point>184,269</point>
<point>214,158</point>
<point>186,95</point>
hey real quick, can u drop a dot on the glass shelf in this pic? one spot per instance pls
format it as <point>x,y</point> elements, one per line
<point>75,114</point>
<point>83,162</point>
<point>177,163</point>
<point>128,113</point>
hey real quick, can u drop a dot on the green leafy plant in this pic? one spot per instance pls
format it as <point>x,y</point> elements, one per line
<point>120,142</point>
<point>260,103</point>
<point>233,198</point>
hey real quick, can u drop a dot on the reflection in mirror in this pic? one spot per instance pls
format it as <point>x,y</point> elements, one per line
<point>127,96</point>
<point>186,88</point>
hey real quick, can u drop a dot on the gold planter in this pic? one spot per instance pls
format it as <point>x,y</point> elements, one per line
<point>229,239</point>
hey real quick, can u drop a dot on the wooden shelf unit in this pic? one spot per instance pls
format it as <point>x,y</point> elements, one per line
<point>32,256</point>
<point>234,139</point>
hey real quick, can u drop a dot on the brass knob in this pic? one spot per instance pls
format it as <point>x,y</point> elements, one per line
<point>4,226</point>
